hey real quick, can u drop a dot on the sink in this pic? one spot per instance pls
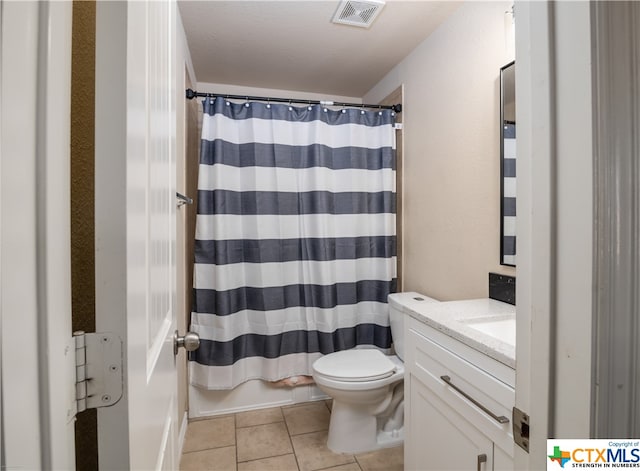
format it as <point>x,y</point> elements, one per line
<point>503,328</point>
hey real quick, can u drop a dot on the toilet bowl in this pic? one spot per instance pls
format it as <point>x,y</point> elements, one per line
<point>367,388</point>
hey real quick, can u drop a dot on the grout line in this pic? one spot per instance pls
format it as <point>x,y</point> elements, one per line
<point>258,425</point>
<point>295,455</point>
<point>267,458</point>
<point>235,431</point>
<point>309,433</point>
<point>344,464</point>
<point>207,449</point>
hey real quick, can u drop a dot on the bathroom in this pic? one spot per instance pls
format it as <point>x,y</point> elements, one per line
<point>452,180</point>
<point>571,87</point>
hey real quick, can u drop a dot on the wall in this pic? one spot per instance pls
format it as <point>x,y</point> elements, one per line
<point>452,154</point>
<point>82,198</point>
<point>187,141</point>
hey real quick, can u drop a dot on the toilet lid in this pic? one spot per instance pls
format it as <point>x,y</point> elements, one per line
<point>355,365</point>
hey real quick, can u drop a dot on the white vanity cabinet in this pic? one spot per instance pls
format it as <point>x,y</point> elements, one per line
<point>458,404</point>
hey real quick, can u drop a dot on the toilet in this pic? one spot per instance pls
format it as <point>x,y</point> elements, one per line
<point>367,388</point>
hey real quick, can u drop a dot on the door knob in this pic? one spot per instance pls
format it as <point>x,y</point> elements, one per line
<point>190,341</point>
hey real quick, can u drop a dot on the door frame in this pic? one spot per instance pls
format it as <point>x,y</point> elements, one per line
<point>534,211</point>
<point>555,222</point>
<point>38,391</point>
<point>616,385</point>
<point>186,183</point>
<point>110,213</point>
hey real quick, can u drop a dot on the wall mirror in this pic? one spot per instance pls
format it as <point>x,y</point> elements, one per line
<point>508,165</point>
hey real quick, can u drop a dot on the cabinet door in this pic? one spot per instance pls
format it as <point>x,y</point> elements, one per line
<point>441,439</point>
<point>501,460</point>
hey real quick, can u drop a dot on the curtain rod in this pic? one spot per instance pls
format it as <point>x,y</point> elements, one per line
<point>191,94</point>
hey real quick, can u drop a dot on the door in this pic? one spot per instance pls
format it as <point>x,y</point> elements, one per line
<point>37,387</point>
<point>534,270</point>
<point>135,227</point>
<point>449,442</point>
<point>554,92</point>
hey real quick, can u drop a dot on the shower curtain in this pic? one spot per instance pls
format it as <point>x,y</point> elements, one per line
<point>295,249</point>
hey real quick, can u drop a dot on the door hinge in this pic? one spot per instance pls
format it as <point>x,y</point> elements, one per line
<point>520,421</point>
<point>99,365</point>
<point>398,125</point>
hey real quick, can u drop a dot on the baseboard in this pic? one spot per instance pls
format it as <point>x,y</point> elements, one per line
<point>183,432</point>
<point>254,394</point>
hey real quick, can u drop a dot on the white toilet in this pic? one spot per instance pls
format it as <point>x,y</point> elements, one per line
<point>367,388</point>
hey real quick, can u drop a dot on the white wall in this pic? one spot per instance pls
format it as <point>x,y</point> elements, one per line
<point>452,154</point>
<point>270,92</point>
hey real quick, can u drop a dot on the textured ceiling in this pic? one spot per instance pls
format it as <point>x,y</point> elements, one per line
<point>292,45</point>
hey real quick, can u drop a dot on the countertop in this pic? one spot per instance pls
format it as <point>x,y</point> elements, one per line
<point>458,319</point>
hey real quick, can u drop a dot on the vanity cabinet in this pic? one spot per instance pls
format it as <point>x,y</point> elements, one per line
<point>458,404</point>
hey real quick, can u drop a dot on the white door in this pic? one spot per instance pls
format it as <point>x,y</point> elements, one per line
<point>449,441</point>
<point>36,386</point>
<point>135,227</point>
<point>554,93</point>
<point>533,344</point>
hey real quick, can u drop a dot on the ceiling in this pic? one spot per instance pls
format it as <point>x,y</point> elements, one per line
<point>292,45</point>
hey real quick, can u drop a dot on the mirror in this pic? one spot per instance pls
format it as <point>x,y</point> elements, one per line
<point>508,165</point>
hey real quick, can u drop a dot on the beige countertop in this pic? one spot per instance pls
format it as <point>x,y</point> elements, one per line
<point>485,324</point>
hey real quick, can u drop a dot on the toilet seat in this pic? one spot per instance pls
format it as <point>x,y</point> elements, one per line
<point>356,365</point>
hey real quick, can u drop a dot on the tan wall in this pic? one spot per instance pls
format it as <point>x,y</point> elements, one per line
<point>396,98</point>
<point>451,153</point>
<point>82,207</point>
<point>187,157</point>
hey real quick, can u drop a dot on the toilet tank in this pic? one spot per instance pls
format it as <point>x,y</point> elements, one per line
<point>398,302</point>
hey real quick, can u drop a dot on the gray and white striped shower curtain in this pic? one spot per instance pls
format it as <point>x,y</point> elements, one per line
<point>295,238</point>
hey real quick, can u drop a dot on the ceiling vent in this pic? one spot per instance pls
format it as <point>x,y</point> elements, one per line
<point>354,13</point>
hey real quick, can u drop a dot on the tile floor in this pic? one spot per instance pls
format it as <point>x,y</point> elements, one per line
<point>281,438</point>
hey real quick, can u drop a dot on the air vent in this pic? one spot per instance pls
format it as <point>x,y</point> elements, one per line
<point>360,14</point>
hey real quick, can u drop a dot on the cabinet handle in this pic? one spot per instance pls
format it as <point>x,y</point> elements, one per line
<point>501,419</point>
<point>481,459</point>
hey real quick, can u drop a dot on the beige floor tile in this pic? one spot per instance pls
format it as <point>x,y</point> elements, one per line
<point>211,433</point>
<point>259,417</point>
<point>387,459</point>
<point>329,403</point>
<point>312,452</point>
<point>217,459</point>
<point>313,417</point>
<point>344,467</point>
<point>263,441</point>
<point>277,463</point>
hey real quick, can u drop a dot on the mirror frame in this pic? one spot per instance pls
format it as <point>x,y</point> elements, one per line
<point>502,167</point>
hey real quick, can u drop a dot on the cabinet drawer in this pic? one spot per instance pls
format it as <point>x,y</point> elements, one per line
<point>462,385</point>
